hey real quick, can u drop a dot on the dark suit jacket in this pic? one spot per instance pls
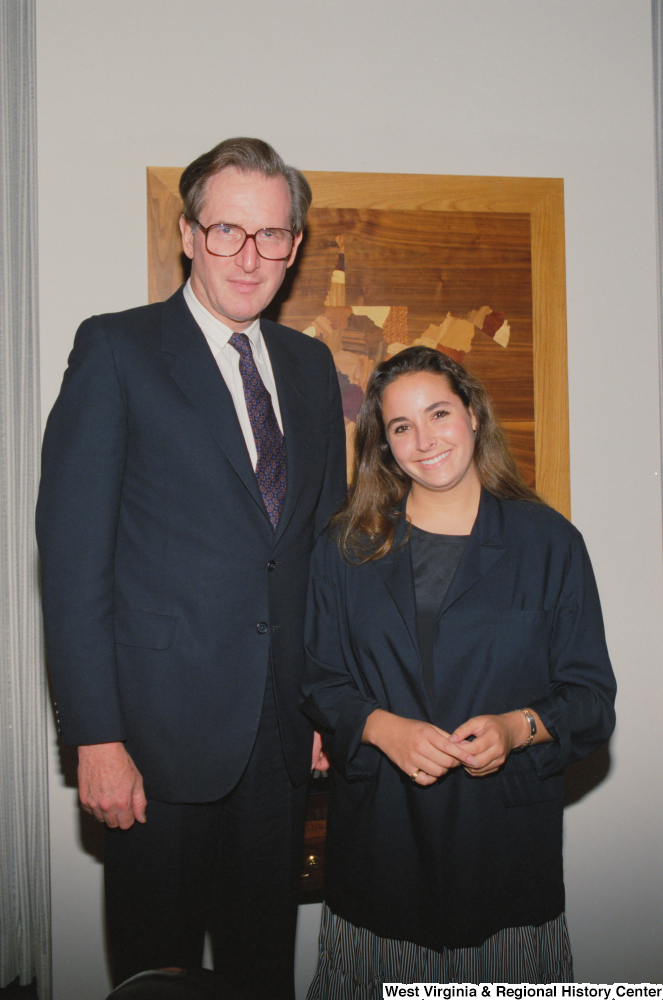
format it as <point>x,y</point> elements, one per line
<point>164,586</point>
<point>521,625</point>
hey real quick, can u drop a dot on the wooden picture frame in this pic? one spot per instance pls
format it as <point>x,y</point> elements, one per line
<point>477,210</point>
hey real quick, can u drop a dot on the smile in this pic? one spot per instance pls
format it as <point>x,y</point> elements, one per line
<point>434,461</point>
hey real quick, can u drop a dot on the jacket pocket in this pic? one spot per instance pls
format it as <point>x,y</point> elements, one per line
<point>144,629</point>
<point>521,786</point>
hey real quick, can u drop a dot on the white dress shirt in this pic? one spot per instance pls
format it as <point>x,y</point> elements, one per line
<point>217,335</point>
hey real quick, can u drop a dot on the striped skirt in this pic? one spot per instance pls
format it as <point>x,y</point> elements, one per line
<point>353,963</point>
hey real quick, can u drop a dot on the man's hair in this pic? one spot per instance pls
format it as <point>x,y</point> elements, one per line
<point>248,156</point>
<point>365,526</point>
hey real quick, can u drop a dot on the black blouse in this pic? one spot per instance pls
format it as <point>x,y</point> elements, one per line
<point>434,561</point>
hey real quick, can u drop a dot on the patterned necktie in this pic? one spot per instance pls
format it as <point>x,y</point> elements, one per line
<point>270,467</point>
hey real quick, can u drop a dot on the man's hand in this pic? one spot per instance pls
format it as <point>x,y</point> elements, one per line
<point>109,785</point>
<point>420,749</point>
<point>319,760</point>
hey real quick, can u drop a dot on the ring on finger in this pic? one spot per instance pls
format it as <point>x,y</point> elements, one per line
<point>413,777</point>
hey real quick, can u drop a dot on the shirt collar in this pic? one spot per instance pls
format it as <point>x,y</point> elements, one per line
<point>216,331</point>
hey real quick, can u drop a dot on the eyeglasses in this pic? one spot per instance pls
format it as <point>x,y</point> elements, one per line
<point>225,240</point>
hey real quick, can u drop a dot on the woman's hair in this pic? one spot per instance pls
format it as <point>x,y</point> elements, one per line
<point>366,524</point>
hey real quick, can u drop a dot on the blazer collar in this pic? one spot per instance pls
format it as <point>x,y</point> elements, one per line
<point>298,423</point>
<point>197,374</point>
<point>194,369</point>
<point>396,571</point>
<point>484,548</point>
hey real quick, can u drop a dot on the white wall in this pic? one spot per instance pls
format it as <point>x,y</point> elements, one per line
<point>557,88</point>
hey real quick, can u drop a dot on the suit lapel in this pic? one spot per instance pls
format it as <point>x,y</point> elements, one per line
<point>395,569</point>
<point>482,551</point>
<point>484,548</point>
<point>298,425</point>
<point>195,371</point>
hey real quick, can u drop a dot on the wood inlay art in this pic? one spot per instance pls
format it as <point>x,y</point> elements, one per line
<point>402,278</point>
<point>472,266</point>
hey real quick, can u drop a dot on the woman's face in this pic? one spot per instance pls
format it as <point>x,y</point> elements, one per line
<point>430,431</point>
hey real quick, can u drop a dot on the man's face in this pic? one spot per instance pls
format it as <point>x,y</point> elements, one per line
<point>236,289</point>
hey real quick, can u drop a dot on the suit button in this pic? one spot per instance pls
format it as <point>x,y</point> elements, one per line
<point>271,565</point>
<point>261,628</point>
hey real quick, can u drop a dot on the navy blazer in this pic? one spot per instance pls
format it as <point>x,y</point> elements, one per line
<point>165,589</point>
<point>450,864</point>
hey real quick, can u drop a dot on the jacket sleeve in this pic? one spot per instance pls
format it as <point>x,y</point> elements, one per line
<point>334,696</point>
<point>83,463</point>
<point>579,710</point>
<point>334,485</point>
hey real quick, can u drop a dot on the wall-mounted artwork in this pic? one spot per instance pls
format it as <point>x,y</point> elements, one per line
<point>472,266</point>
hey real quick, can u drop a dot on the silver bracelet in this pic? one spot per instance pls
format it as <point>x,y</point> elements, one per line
<point>532,728</point>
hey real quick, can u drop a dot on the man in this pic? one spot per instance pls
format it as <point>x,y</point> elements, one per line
<point>193,455</point>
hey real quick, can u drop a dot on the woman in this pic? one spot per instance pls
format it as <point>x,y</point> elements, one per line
<point>456,663</point>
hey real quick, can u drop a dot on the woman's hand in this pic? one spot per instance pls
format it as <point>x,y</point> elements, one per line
<point>495,736</point>
<point>319,759</point>
<point>414,746</point>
